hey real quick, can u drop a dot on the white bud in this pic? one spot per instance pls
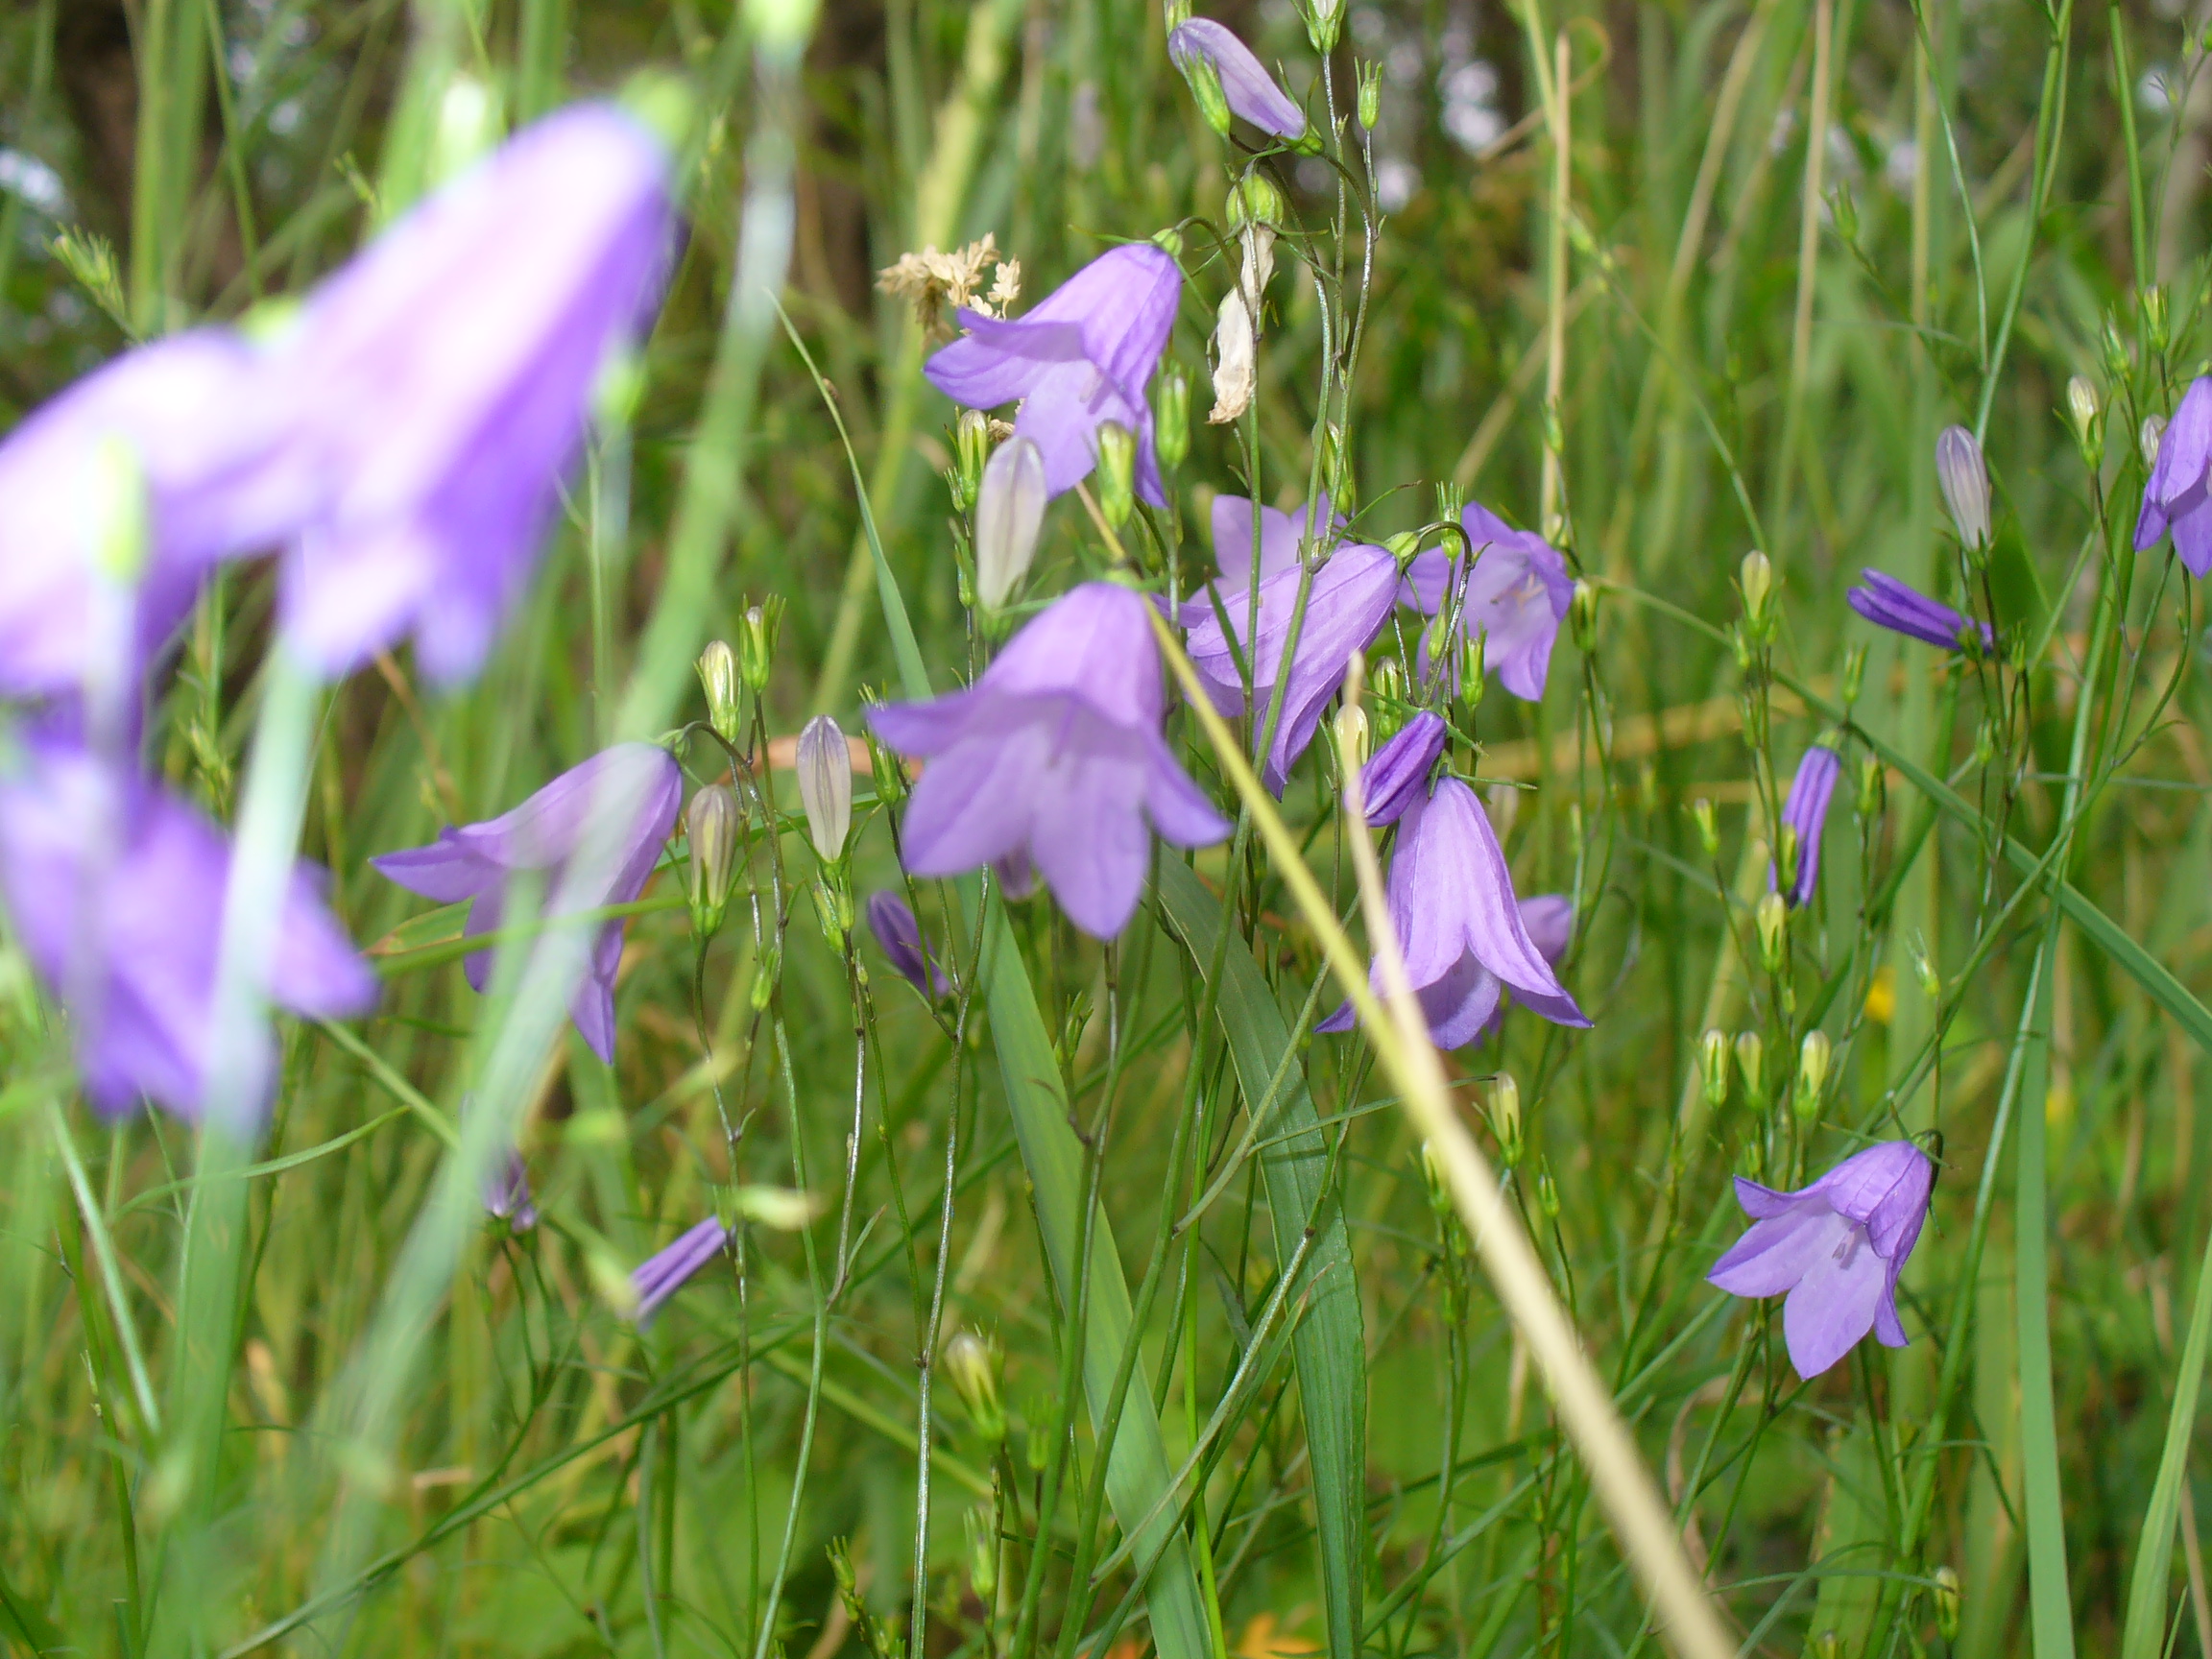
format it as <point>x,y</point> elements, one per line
<point>1234,372</point>
<point>1965,480</point>
<point>1009,512</point>
<point>2154,429</point>
<point>825,786</point>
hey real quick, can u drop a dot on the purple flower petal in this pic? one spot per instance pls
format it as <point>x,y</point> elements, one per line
<point>1888,602</point>
<point>1806,811</point>
<point>1515,595</point>
<point>1834,1305</point>
<point>661,1275</point>
<point>1397,775</point>
<point>2178,477</point>
<point>891,920</point>
<point>1251,91</point>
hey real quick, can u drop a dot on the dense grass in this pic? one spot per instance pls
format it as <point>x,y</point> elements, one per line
<point>1790,243</point>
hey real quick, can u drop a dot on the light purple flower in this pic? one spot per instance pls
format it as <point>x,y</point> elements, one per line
<point>1888,602</point>
<point>1251,91</point>
<point>440,385</point>
<point>1055,754</point>
<point>1806,811</point>
<point>506,1187</point>
<point>891,920</point>
<point>1081,357</point>
<point>2175,495</point>
<point>660,1276</point>
<point>1836,1248</point>
<point>1516,596</point>
<point>1465,936</point>
<point>1549,917</point>
<point>638,781</point>
<point>1349,601</point>
<point>1397,775</point>
<point>115,890</point>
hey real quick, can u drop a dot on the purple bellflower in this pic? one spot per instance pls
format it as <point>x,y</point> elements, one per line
<point>2175,496</point>
<point>1549,917</point>
<point>1245,83</point>
<point>1835,1247</point>
<point>441,384</point>
<point>891,918</point>
<point>115,889</point>
<point>1055,754</point>
<point>1080,358</point>
<point>638,781</point>
<point>1396,775</point>
<point>1463,933</point>
<point>1888,602</point>
<point>1806,811</point>
<point>660,1276</point>
<point>506,1188</point>
<point>1346,605</point>
<point>1516,595</point>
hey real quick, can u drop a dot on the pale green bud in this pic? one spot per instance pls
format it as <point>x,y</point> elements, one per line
<point>756,641</point>
<point>971,449</point>
<point>718,678</point>
<point>710,826</point>
<point>1370,94</point>
<point>1505,1117</point>
<point>1813,1056</point>
<point>1946,1603</point>
<point>1351,739</point>
<point>1751,1064</point>
<point>971,1362</point>
<point>1205,83</point>
<point>1713,1066</point>
<point>1117,473</point>
<point>1708,822</point>
<point>1172,419</point>
<point>1772,917</point>
<point>1756,578</point>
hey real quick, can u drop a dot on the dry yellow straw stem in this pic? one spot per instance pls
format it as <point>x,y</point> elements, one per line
<point>1401,1040</point>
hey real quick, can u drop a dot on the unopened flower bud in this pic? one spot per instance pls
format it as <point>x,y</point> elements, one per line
<point>1009,512</point>
<point>2155,316</point>
<point>1713,1066</point>
<point>2082,412</point>
<point>1205,83</point>
<point>1813,1055</point>
<point>1708,824</point>
<point>1177,12</point>
<point>1351,739</point>
<point>1117,473</point>
<point>1169,241</point>
<point>1403,547</point>
<point>1324,18</point>
<point>1433,1179</point>
<point>971,1362</point>
<point>1771,918</point>
<point>1254,200</point>
<point>719,678</point>
<point>1336,465</point>
<point>1964,477</point>
<point>1582,612</point>
<point>1786,857</point>
<point>710,826</point>
<point>1505,1117</point>
<point>2154,429</point>
<point>983,1553</point>
<point>1985,735</point>
<point>1925,971</point>
<point>756,641</point>
<point>1385,711</point>
<point>883,766</point>
<point>971,449</point>
<point>1756,578</point>
<point>1845,213</point>
<point>1474,670</point>
<point>1751,1064</point>
<point>1946,1603</point>
<point>1873,789</point>
<point>1370,94</point>
<point>1172,419</point>
<point>1854,673</point>
<point>1546,1190</point>
<point>1451,502</point>
<point>766,974</point>
<point>825,786</point>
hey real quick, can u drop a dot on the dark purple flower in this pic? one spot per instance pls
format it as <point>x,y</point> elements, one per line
<point>1835,1247</point>
<point>1465,936</point>
<point>1346,605</point>
<point>1888,602</point>
<point>660,1276</point>
<point>1080,358</point>
<point>1806,811</point>
<point>1055,754</point>
<point>115,889</point>
<point>891,920</point>
<point>440,385</point>
<point>194,418</point>
<point>1397,775</point>
<point>2175,496</point>
<point>638,781</point>
<point>1251,91</point>
<point>1516,595</point>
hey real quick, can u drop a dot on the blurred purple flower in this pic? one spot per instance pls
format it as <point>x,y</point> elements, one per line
<point>1516,595</point>
<point>660,1276</point>
<point>638,781</point>
<point>1835,1247</point>
<point>506,1189</point>
<point>1888,602</point>
<point>1396,775</point>
<point>891,920</point>
<point>1081,357</point>
<point>1251,91</point>
<point>1055,754</point>
<point>1806,811</point>
<point>2175,495</point>
<point>441,384</point>
<point>1465,936</point>
<point>115,890</point>
<point>1346,607</point>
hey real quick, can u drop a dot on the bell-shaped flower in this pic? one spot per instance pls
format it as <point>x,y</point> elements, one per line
<point>1396,775</point>
<point>1465,936</point>
<point>1250,90</point>
<point>2175,496</point>
<point>1056,753</point>
<point>1346,605</point>
<point>1806,811</point>
<point>1515,596</point>
<point>440,385</point>
<point>663,1274</point>
<point>891,918</point>
<point>637,787</point>
<point>1080,358</point>
<point>115,892</point>
<point>1888,602</point>
<point>1835,1248</point>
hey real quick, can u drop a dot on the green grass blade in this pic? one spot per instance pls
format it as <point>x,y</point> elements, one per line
<point>2143,1637</point>
<point>2051,1611</point>
<point>1330,1340</point>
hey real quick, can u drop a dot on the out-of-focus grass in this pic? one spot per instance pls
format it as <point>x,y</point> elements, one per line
<point>553,1462</point>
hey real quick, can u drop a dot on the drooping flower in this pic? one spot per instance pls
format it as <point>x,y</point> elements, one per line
<point>637,784</point>
<point>1835,1247</point>
<point>1515,596</point>
<point>891,920</point>
<point>661,1275</point>
<point>1397,775</point>
<point>1080,358</point>
<point>440,387</point>
<point>1806,811</point>
<point>1464,934</point>
<point>115,890</point>
<point>1055,754</point>
<point>1964,477</point>
<point>1250,90</point>
<point>1350,599</point>
<point>1888,602</point>
<point>2175,496</point>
